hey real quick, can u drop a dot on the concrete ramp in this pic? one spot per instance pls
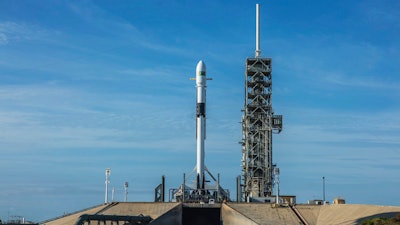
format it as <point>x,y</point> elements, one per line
<point>152,209</point>
<point>73,217</point>
<point>230,216</point>
<point>173,216</point>
<point>264,214</point>
<point>170,212</point>
<point>233,213</point>
<point>346,214</point>
<point>353,214</point>
<point>309,212</point>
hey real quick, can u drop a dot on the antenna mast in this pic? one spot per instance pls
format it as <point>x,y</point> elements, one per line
<point>258,50</point>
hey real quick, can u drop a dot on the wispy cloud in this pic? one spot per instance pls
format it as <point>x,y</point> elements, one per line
<point>371,82</point>
<point>336,61</point>
<point>52,116</point>
<point>126,32</point>
<point>382,15</point>
<point>12,32</point>
<point>3,39</point>
<point>365,145</point>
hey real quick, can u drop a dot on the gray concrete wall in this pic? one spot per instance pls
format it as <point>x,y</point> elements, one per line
<point>172,217</point>
<point>265,213</point>
<point>353,214</point>
<point>230,216</point>
<point>72,218</point>
<point>348,214</point>
<point>309,212</point>
<point>152,209</point>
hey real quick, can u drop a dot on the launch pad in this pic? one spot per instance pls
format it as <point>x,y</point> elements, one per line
<point>168,213</point>
<point>201,199</point>
<point>189,193</point>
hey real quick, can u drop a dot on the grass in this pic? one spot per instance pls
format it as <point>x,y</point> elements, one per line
<point>383,221</point>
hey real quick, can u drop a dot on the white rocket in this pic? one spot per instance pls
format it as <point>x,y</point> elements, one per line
<point>201,79</point>
<point>200,191</point>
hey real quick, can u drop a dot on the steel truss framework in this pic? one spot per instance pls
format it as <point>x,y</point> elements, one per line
<point>258,124</point>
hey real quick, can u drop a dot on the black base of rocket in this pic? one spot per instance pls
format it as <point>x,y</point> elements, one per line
<point>200,185</point>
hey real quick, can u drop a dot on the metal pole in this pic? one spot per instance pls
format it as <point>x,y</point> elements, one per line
<point>276,177</point>
<point>277,189</point>
<point>107,182</point>
<point>238,189</point>
<point>126,191</point>
<point>163,188</point>
<point>258,51</point>
<point>183,187</point>
<point>112,194</point>
<point>323,189</point>
<point>218,188</point>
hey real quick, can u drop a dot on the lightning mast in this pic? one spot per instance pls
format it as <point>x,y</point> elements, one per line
<point>258,124</point>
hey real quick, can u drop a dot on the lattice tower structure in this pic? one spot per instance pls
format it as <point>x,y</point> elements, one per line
<point>258,124</point>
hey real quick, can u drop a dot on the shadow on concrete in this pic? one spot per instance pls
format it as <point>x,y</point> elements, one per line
<point>201,216</point>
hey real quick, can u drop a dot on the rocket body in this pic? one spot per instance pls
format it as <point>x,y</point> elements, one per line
<point>201,79</point>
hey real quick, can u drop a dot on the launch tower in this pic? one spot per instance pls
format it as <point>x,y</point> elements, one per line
<point>258,124</point>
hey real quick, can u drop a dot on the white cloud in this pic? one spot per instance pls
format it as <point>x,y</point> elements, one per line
<point>336,61</point>
<point>11,32</point>
<point>345,146</point>
<point>3,39</point>
<point>54,117</point>
<point>361,81</point>
<point>124,32</point>
<point>342,125</point>
<point>381,14</point>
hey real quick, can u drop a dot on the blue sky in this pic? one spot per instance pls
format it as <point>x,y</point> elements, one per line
<point>86,85</point>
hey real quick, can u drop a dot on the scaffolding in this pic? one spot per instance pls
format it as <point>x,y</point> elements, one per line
<point>258,124</point>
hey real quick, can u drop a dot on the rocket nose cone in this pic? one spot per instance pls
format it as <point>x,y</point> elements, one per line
<point>201,68</point>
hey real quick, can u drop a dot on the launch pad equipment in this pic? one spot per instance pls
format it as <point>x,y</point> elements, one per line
<point>201,190</point>
<point>258,124</point>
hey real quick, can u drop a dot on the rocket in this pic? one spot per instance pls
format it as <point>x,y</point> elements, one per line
<point>201,80</point>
